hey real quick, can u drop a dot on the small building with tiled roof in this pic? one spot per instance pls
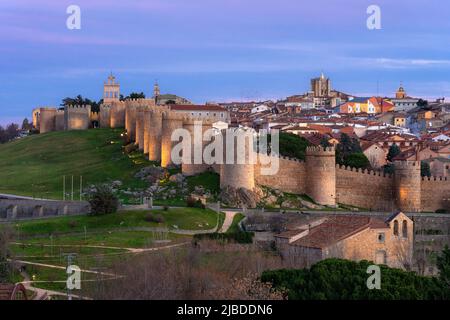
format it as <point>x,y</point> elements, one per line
<point>354,237</point>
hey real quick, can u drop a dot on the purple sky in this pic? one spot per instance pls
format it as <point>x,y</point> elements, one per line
<point>219,50</point>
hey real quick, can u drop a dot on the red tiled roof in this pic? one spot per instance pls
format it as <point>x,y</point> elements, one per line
<point>337,228</point>
<point>193,107</point>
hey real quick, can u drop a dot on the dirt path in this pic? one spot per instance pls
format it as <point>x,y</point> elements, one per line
<point>43,294</point>
<point>130,250</point>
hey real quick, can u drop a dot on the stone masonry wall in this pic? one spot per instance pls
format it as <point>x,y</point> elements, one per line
<point>291,176</point>
<point>364,189</point>
<point>435,194</point>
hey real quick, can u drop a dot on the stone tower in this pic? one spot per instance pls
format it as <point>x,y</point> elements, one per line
<point>139,139</point>
<point>146,138</point>
<point>321,175</point>
<point>156,91</point>
<point>407,185</point>
<point>321,87</point>
<point>154,136</point>
<point>130,122</point>
<point>201,125</point>
<point>170,122</point>
<point>47,120</point>
<point>234,174</point>
<point>400,94</point>
<point>111,90</point>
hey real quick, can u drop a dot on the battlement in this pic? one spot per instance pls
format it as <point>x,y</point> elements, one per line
<point>279,157</point>
<point>78,107</point>
<point>407,165</point>
<point>47,109</point>
<point>60,111</point>
<point>378,173</point>
<point>320,151</point>
<point>434,178</point>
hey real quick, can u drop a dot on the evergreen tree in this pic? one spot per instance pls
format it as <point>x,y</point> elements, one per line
<point>394,151</point>
<point>425,170</point>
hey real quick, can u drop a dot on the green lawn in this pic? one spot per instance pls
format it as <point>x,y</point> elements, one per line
<point>115,238</point>
<point>183,218</point>
<point>235,224</point>
<point>209,180</point>
<point>35,165</point>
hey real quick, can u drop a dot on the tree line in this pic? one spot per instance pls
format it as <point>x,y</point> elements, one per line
<point>12,130</point>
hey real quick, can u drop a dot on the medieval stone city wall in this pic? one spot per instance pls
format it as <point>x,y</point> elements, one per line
<point>47,119</point>
<point>170,122</point>
<point>139,137</point>
<point>291,175</point>
<point>12,209</point>
<point>77,117</point>
<point>435,194</point>
<point>318,176</point>
<point>117,114</point>
<point>364,188</point>
<point>204,126</point>
<point>104,116</point>
<point>59,120</point>
<point>154,139</point>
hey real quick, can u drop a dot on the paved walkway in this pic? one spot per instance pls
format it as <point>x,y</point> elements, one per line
<point>229,216</point>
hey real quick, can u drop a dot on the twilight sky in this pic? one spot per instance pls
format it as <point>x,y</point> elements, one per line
<point>219,50</point>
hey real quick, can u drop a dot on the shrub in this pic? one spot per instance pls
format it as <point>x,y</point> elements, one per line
<point>150,217</point>
<point>129,148</point>
<point>103,200</point>
<point>190,202</point>
<point>194,203</point>
<point>239,237</point>
<point>166,208</point>
<point>334,279</point>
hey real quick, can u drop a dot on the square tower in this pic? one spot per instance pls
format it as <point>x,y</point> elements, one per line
<point>111,90</point>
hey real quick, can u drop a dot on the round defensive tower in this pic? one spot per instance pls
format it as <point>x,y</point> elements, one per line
<point>154,137</point>
<point>47,120</point>
<point>321,175</point>
<point>105,116</point>
<point>117,114</point>
<point>139,138</point>
<point>170,122</point>
<point>234,173</point>
<point>196,127</point>
<point>130,122</point>
<point>407,185</point>
<point>147,122</point>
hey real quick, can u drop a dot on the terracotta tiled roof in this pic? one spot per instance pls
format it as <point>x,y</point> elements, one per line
<point>337,228</point>
<point>193,107</point>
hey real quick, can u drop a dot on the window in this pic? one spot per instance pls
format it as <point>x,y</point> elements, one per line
<point>395,228</point>
<point>405,229</point>
<point>381,237</point>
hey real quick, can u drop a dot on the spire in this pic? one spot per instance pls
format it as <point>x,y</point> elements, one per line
<point>156,91</point>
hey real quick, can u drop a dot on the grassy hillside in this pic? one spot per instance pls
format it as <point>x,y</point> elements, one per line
<point>35,165</point>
